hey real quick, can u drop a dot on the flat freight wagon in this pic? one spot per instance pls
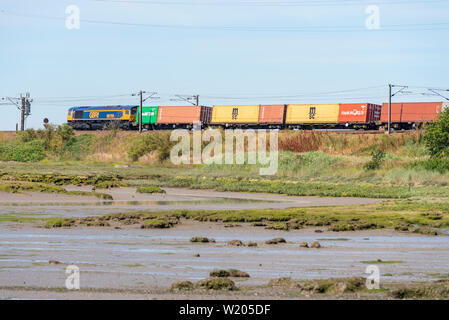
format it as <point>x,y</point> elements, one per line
<point>408,115</point>
<point>312,115</point>
<point>240,116</point>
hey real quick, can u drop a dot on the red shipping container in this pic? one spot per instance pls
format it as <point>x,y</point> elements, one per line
<point>183,114</point>
<point>359,112</point>
<point>271,113</point>
<point>412,111</point>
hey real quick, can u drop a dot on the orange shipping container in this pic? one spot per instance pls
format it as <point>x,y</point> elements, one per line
<point>271,113</point>
<point>359,113</point>
<point>183,114</point>
<point>412,111</point>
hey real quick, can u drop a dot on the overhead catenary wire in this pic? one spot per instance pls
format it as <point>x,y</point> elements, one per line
<point>313,29</point>
<point>71,99</point>
<point>364,93</point>
<point>300,3</point>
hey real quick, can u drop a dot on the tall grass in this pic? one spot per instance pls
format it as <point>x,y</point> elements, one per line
<point>405,144</point>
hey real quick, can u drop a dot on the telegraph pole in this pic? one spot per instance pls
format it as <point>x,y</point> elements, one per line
<point>22,115</point>
<point>142,100</point>
<point>141,111</point>
<point>390,95</point>
<point>389,109</point>
<point>23,104</point>
<point>140,94</point>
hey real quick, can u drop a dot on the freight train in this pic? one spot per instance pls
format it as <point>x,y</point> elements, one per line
<point>363,116</point>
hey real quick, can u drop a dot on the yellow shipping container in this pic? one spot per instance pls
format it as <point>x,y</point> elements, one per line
<point>235,114</point>
<point>312,113</point>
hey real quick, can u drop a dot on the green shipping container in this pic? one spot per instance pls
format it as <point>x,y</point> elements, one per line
<point>149,115</point>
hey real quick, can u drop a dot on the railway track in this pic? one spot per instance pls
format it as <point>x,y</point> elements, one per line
<point>359,132</point>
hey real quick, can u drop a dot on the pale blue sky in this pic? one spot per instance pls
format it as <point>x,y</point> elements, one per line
<point>38,54</point>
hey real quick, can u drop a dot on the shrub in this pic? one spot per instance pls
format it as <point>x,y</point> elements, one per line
<point>78,147</point>
<point>22,151</point>
<point>434,164</point>
<point>436,136</point>
<point>156,141</point>
<point>31,145</point>
<point>377,157</point>
<point>27,135</point>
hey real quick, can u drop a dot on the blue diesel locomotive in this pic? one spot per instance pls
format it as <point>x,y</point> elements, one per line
<point>94,118</point>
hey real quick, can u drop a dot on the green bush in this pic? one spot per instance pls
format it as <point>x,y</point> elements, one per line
<point>434,164</point>
<point>81,146</point>
<point>436,136</point>
<point>159,142</point>
<point>27,135</point>
<point>22,151</point>
<point>377,157</point>
<point>34,145</point>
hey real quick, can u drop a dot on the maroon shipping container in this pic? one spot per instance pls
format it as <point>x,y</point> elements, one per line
<point>272,114</point>
<point>183,114</point>
<point>412,111</point>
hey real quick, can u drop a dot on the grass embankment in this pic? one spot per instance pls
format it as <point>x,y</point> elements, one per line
<point>333,164</point>
<point>406,216</point>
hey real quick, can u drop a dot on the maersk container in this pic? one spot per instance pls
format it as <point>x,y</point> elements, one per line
<point>412,112</point>
<point>271,114</point>
<point>149,115</point>
<point>183,114</point>
<point>359,113</point>
<point>312,113</point>
<point>235,114</point>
